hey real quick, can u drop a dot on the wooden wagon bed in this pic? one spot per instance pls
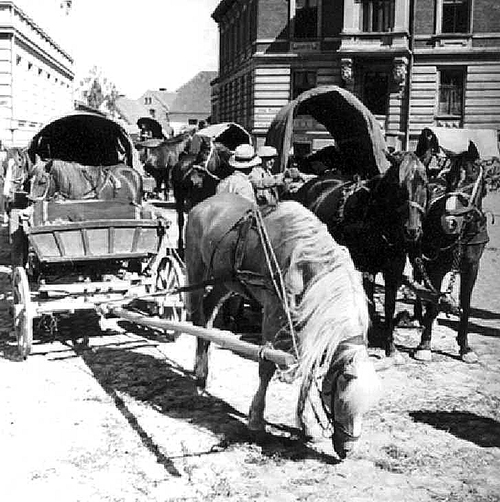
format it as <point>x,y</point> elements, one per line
<point>69,231</point>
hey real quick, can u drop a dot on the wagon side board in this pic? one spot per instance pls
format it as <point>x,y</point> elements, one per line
<point>72,231</point>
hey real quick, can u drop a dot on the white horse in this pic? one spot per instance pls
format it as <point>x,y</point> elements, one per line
<point>326,322</point>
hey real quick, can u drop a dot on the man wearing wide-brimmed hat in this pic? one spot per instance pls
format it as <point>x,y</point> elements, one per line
<point>264,182</point>
<point>242,161</point>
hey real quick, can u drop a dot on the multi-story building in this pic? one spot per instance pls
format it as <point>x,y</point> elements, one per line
<point>36,77</point>
<point>414,63</point>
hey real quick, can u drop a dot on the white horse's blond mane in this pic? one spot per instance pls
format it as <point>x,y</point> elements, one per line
<point>331,303</point>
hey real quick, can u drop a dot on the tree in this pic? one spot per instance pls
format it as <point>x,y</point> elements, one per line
<point>95,96</point>
<point>110,98</point>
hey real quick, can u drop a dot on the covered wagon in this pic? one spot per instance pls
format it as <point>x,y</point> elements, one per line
<point>356,133</point>
<point>86,236</point>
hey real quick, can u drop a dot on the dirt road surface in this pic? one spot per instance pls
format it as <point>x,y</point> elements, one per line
<point>121,421</point>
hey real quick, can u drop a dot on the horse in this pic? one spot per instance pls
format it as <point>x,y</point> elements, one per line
<point>16,171</point>
<point>160,156</point>
<point>195,178</point>
<point>453,240</point>
<point>72,181</point>
<point>325,326</point>
<point>377,220</point>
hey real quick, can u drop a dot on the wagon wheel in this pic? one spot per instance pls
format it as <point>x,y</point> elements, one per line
<point>169,276</point>
<point>23,311</point>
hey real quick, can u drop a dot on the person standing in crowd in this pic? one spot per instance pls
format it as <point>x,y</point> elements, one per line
<point>266,184</point>
<point>242,162</point>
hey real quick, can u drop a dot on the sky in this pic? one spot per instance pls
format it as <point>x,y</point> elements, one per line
<point>138,44</point>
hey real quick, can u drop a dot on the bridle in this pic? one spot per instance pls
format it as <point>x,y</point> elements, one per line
<point>333,373</point>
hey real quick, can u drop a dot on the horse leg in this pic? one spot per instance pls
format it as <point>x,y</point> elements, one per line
<point>468,276</point>
<point>423,350</point>
<point>369,287</point>
<point>392,281</point>
<point>164,182</point>
<point>180,226</point>
<point>272,320</point>
<point>207,310</point>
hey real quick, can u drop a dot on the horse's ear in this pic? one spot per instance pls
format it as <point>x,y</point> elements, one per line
<point>473,151</point>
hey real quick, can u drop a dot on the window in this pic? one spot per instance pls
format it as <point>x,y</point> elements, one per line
<point>376,92</point>
<point>193,122</point>
<point>306,19</point>
<point>152,112</point>
<point>147,100</point>
<point>302,81</point>
<point>455,16</point>
<point>451,91</point>
<point>377,15</point>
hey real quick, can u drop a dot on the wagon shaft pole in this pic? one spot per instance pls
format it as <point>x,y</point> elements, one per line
<point>225,339</point>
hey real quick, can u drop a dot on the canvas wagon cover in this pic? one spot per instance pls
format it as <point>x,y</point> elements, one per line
<point>457,140</point>
<point>356,131</point>
<point>86,138</point>
<point>229,134</point>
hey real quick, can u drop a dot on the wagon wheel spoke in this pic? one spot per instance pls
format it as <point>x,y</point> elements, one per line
<point>170,276</point>
<point>23,311</point>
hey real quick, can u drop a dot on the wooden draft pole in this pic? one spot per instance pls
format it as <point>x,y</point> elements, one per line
<point>225,339</point>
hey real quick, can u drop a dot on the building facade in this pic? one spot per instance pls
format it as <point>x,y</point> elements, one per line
<point>36,77</point>
<point>414,63</point>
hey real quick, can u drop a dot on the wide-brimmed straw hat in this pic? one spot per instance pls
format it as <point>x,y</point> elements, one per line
<point>244,157</point>
<point>267,151</point>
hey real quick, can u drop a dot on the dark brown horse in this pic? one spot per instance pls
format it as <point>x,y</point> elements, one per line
<point>454,238</point>
<point>327,319</point>
<point>195,178</point>
<point>376,220</point>
<point>160,156</point>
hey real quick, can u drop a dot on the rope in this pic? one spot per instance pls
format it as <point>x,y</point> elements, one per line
<point>275,270</point>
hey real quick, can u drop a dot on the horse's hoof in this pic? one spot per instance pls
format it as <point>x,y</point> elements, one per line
<point>201,391</point>
<point>469,357</point>
<point>424,355</point>
<point>201,385</point>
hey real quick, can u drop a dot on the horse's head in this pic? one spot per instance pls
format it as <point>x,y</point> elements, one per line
<point>348,391</point>
<point>403,190</point>
<point>215,158</point>
<point>210,166</point>
<point>16,171</point>
<point>465,188</point>
<point>464,169</point>
<point>42,184</point>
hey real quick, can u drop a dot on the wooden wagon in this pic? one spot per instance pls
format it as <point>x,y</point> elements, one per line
<point>82,253</point>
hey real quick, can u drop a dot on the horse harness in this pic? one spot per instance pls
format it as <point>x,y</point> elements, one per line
<point>466,236</point>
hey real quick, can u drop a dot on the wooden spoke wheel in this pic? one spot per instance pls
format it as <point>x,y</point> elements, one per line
<point>170,276</point>
<point>23,311</point>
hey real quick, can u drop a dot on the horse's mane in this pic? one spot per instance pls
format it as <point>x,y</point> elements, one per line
<point>410,168</point>
<point>332,304</point>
